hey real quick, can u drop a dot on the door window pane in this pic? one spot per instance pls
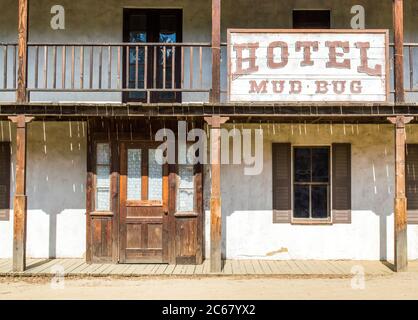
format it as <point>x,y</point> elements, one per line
<point>155,176</point>
<point>134,174</point>
<point>102,177</point>
<point>185,191</point>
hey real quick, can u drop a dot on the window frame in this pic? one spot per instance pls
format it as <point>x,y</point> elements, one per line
<point>145,145</point>
<point>95,165</point>
<point>194,212</point>
<point>311,221</point>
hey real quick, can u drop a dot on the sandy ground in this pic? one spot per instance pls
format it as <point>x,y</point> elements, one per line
<point>398,286</point>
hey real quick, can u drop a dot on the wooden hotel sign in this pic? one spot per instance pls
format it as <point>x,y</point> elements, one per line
<point>308,65</point>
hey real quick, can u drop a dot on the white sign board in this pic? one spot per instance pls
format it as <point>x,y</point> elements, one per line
<point>297,65</point>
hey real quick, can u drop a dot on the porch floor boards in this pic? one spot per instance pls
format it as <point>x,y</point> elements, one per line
<point>295,268</point>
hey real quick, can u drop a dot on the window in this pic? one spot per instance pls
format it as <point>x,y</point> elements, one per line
<point>185,189</point>
<point>103,177</point>
<point>311,19</point>
<point>145,175</point>
<point>4,180</point>
<point>306,196</point>
<point>311,183</point>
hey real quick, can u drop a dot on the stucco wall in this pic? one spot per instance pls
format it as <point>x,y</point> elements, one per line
<point>56,197</point>
<point>93,21</point>
<point>248,229</point>
<point>56,174</point>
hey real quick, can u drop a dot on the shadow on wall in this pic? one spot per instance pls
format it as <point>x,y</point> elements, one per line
<point>56,171</point>
<point>372,185</point>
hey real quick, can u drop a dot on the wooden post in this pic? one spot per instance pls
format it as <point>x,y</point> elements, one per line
<point>215,201</point>
<point>20,200</point>
<point>401,252</point>
<point>216,51</point>
<point>22,74</point>
<point>398,39</point>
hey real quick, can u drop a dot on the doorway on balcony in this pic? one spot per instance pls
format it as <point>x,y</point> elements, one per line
<point>154,67</point>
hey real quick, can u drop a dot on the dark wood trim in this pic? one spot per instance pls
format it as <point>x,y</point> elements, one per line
<point>22,74</point>
<point>89,193</point>
<point>114,187</point>
<point>398,32</point>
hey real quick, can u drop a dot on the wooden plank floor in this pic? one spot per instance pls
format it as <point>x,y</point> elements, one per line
<point>296,268</point>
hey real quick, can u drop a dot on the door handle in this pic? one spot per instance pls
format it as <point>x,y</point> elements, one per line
<point>166,212</point>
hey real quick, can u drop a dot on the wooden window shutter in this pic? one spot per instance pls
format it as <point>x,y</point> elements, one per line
<point>341,183</point>
<point>282,190</point>
<point>412,182</point>
<point>4,180</point>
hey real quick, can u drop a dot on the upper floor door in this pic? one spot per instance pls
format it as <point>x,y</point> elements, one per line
<point>157,67</point>
<point>311,19</point>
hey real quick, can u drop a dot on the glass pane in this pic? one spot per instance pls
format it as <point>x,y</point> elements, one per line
<point>320,165</point>
<point>134,174</point>
<point>185,193</point>
<point>103,200</point>
<point>155,176</point>
<point>102,177</point>
<point>302,164</point>
<point>103,153</point>
<point>319,202</point>
<point>185,200</point>
<point>301,206</point>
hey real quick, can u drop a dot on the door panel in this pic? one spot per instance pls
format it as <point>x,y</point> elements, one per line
<point>144,195</point>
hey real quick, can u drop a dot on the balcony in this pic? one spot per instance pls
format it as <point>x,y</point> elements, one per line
<point>135,72</point>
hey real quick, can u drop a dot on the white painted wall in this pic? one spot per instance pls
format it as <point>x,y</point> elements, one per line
<point>93,21</point>
<point>56,190</point>
<point>248,229</point>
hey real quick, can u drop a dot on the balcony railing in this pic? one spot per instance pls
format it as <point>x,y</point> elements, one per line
<point>138,71</point>
<point>8,67</point>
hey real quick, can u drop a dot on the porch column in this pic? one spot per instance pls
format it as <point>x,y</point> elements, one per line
<point>216,51</point>
<point>20,200</point>
<point>398,39</point>
<point>400,223</point>
<point>21,93</point>
<point>215,200</point>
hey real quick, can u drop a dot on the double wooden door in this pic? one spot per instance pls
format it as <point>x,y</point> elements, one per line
<point>143,204</point>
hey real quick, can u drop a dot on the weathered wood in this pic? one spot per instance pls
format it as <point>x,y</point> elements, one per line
<point>216,51</point>
<point>401,252</point>
<point>21,94</point>
<point>255,52</point>
<point>398,30</point>
<point>20,200</point>
<point>89,193</point>
<point>215,202</point>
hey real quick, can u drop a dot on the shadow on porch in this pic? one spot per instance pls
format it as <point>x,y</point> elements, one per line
<point>290,268</point>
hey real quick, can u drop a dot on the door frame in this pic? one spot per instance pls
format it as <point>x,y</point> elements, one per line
<point>183,226</point>
<point>152,24</point>
<point>166,241</point>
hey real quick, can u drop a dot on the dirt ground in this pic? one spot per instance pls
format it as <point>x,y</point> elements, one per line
<point>397,286</point>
